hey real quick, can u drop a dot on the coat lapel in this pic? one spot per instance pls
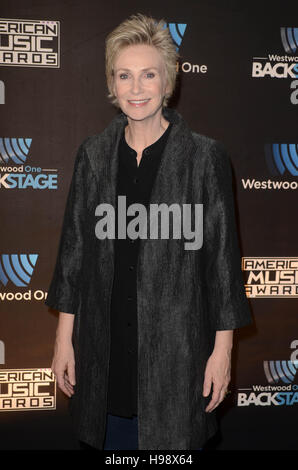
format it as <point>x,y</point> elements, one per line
<point>107,180</point>
<point>174,161</point>
<point>178,149</point>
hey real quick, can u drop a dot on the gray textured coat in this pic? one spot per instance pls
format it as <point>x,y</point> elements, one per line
<point>183,296</point>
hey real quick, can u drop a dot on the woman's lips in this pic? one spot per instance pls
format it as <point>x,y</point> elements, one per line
<point>138,103</point>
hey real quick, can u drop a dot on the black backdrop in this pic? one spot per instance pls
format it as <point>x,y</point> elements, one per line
<point>47,110</point>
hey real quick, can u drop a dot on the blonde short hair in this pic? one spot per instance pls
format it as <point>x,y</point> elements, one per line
<point>141,29</point>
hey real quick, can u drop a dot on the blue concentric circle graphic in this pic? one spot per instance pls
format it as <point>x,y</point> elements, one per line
<point>18,268</point>
<point>283,371</point>
<point>15,149</point>
<point>282,158</point>
<point>289,38</point>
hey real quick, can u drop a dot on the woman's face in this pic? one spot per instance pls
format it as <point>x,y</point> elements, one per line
<point>140,81</point>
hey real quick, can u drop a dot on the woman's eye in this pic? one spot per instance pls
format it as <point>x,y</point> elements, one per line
<point>150,75</point>
<point>123,76</point>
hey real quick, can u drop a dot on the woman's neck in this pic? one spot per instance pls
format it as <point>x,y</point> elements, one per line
<point>141,134</point>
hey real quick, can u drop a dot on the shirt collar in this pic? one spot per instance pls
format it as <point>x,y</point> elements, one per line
<point>154,149</point>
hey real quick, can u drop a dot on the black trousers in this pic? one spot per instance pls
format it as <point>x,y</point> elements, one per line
<point>121,433</point>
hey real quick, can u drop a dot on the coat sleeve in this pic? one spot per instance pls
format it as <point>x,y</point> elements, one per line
<point>227,303</point>
<point>63,293</point>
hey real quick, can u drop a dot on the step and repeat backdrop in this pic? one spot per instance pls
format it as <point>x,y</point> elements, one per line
<point>238,83</point>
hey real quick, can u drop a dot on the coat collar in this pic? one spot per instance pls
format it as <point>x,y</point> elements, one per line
<point>180,145</point>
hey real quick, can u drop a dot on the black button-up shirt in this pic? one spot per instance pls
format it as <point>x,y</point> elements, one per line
<point>136,183</point>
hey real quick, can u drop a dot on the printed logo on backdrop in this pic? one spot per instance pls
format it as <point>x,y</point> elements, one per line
<point>282,383</point>
<point>16,270</point>
<point>282,161</point>
<point>30,43</point>
<point>2,352</point>
<point>271,277</point>
<point>2,92</point>
<point>282,158</point>
<point>15,173</point>
<point>289,38</point>
<point>275,65</point>
<point>177,31</point>
<point>27,389</point>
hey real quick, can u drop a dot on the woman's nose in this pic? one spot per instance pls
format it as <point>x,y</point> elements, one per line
<point>136,86</point>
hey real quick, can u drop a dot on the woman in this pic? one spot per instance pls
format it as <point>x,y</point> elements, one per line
<point>145,328</point>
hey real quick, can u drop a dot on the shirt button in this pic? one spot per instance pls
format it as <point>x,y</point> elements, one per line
<point>131,268</point>
<point>128,324</point>
<point>146,151</point>
<point>130,351</point>
<point>129,298</point>
<point>135,180</point>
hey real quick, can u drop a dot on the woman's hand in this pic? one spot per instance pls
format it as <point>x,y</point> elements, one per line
<point>63,366</point>
<point>218,369</point>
